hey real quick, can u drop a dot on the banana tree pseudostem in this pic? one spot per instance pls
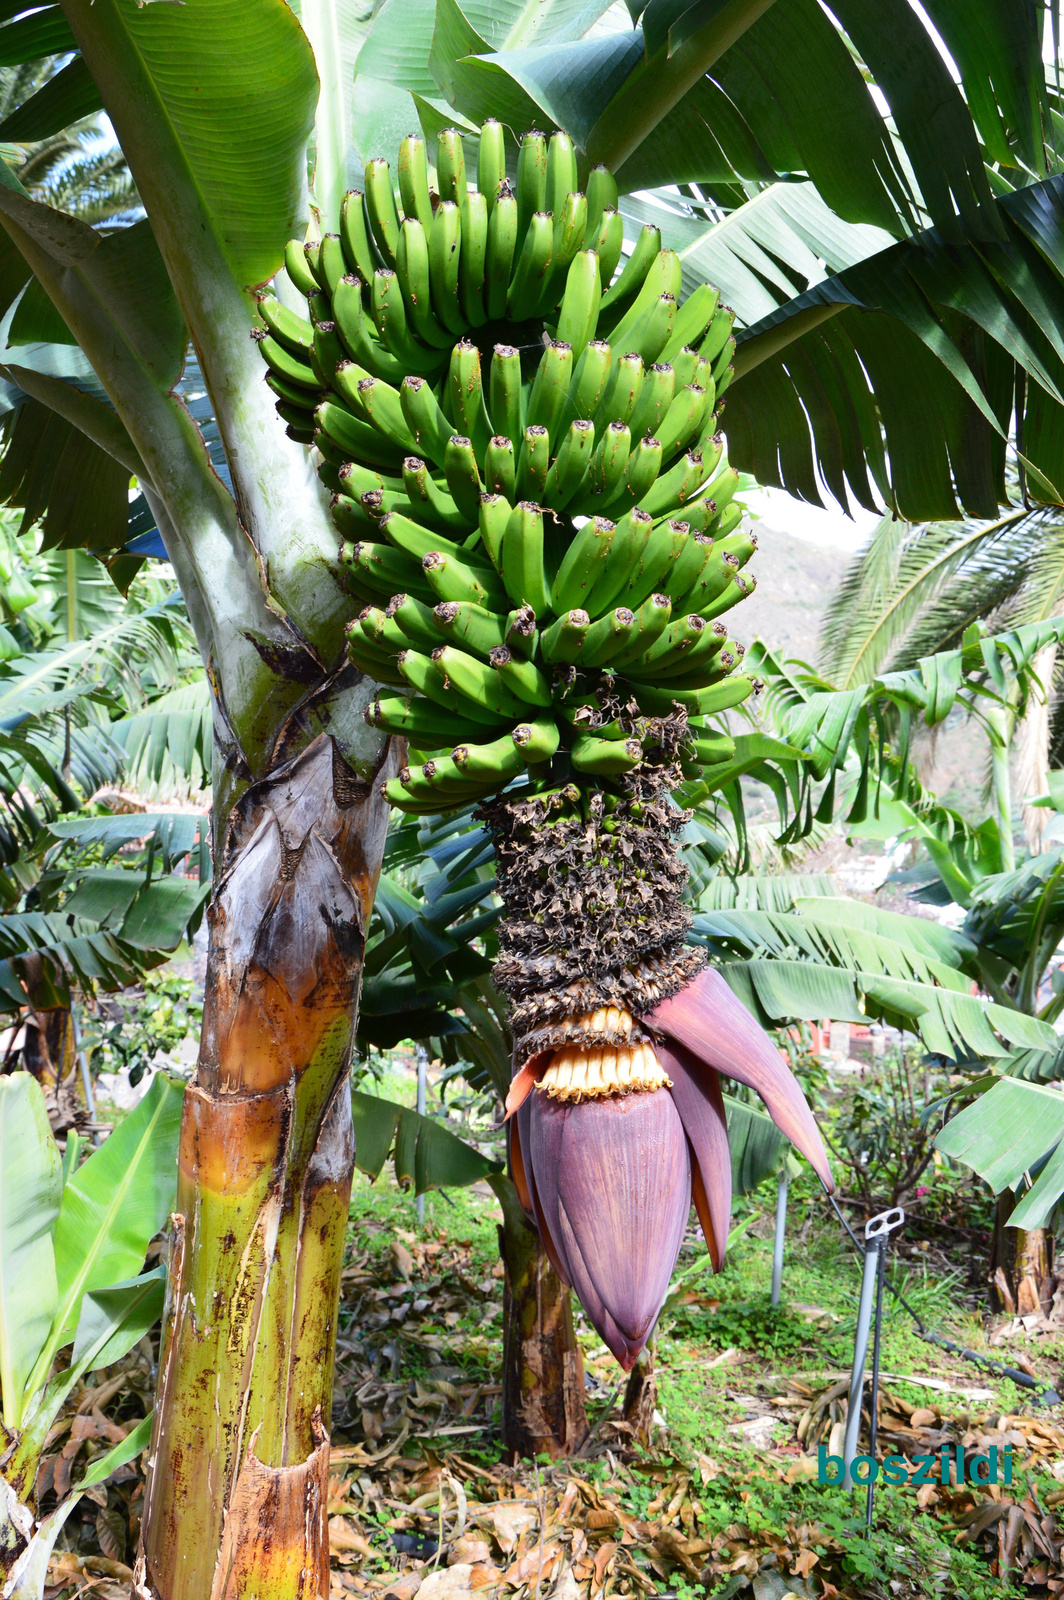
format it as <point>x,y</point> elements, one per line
<point>213,104</point>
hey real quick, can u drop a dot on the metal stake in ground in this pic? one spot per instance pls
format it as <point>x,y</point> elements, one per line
<point>781,1229</point>
<point>877,1231</point>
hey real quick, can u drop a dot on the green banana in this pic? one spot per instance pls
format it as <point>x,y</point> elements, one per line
<point>463,477</point>
<point>561,176</point>
<point>728,520</point>
<point>520,632</point>
<point>663,549</point>
<point>425,418</point>
<point>674,486</point>
<point>522,678</point>
<point>413,175</point>
<point>605,758</point>
<point>417,541</point>
<point>465,397</point>
<point>608,244</point>
<point>641,472</point>
<point>361,253</point>
<point>419,721</point>
<point>685,571</point>
<point>421,674</point>
<point>645,251</point>
<point>444,245</point>
<point>582,565</point>
<point>450,165</point>
<point>352,519</point>
<point>476,682</point>
<point>384,569</point>
<point>722,363</point>
<point>530,271</point>
<point>417,621</point>
<point>505,400</point>
<point>470,626</point>
<point>491,160</point>
<point>561,642</point>
<point>494,514</point>
<point>284,363</point>
<point>333,261</point>
<point>578,317</point>
<point>450,577</point>
<point>297,417</point>
<point>591,374</point>
<point>312,258</point>
<point>500,471</point>
<point>502,246</point>
<point>685,365</point>
<point>381,403</point>
<point>523,568</point>
<point>375,663</point>
<point>534,464</point>
<point>651,619</point>
<point>663,276</point>
<point>713,749</point>
<point>675,645</point>
<point>295,263</point>
<point>703,662</point>
<point>531,180</point>
<point>655,398</point>
<point>415,277</point>
<point>650,333</point>
<point>494,763</point>
<point>356,480</point>
<point>385,633</point>
<point>289,329</point>
<point>692,320</point>
<point>537,740</point>
<point>430,503</point>
<point>725,381</point>
<point>717,334</point>
<point>381,209</point>
<point>606,638</point>
<point>605,474</point>
<point>327,353</point>
<point>389,316</point>
<point>601,197</point>
<point>472,259</point>
<point>741,588</point>
<point>359,336</point>
<point>550,388</point>
<point>293,394</point>
<point>622,392</point>
<point>630,539</point>
<point>569,467</point>
<point>359,440</point>
<point>569,225</point>
<point>681,422</point>
<point>654,701</point>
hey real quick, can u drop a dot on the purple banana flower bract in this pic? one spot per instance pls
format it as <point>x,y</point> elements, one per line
<point>610,1181</point>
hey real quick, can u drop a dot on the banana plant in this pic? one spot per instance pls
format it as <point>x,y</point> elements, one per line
<point>299,817</point>
<point>73,1238</point>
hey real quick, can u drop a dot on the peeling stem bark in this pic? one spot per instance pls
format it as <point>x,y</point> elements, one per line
<point>235,1499</point>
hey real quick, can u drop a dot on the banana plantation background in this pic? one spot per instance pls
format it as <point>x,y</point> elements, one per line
<point>356,1085</point>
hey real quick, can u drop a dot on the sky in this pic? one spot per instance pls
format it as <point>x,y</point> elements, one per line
<point>829,526</point>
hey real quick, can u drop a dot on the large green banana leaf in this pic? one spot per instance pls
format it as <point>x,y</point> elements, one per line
<point>425,1153</point>
<point>113,1206</point>
<point>1011,1129</point>
<point>30,1188</point>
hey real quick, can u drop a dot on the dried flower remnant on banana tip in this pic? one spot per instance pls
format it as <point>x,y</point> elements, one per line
<point>541,557</point>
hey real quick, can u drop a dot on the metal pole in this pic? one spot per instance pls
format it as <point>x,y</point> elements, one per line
<point>876,1230</point>
<point>881,1261</point>
<point>781,1229</point>
<point>422,1080</point>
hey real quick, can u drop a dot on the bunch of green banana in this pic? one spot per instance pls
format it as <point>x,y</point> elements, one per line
<point>530,538</point>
